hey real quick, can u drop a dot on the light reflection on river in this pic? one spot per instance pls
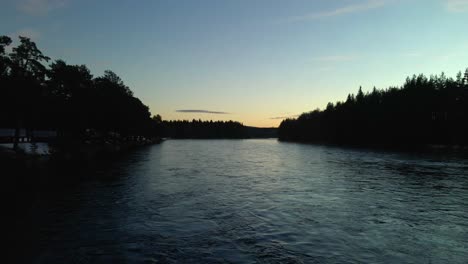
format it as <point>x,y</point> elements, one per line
<point>261,201</point>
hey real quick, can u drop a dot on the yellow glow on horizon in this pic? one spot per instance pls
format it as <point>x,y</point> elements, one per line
<point>256,115</point>
<point>247,120</point>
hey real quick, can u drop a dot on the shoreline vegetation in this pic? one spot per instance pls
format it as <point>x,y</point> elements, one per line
<point>198,129</point>
<point>84,114</point>
<point>81,110</point>
<point>101,114</point>
<point>425,112</point>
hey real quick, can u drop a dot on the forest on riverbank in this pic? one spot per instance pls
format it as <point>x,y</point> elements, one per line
<point>424,110</point>
<point>65,98</point>
<point>69,100</point>
<point>198,129</point>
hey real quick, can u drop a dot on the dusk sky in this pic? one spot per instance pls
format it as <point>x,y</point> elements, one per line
<point>251,61</point>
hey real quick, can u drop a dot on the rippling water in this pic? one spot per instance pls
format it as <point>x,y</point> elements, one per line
<point>260,201</point>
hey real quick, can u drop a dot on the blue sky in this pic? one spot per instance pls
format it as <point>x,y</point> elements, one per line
<point>247,60</point>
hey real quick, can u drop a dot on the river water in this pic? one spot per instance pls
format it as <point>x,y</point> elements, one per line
<point>259,201</point>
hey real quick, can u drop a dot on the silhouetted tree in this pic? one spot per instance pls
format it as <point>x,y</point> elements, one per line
<point>423,111</point>
<point>4,59</point>
<point>198,129</point>
<point>66,97</point>
<point>27,76</point>
<point>5,89</point>
<point>203,129</point>
<point>71,90</point>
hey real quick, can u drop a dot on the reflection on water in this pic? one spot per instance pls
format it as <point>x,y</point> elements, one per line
<point>39,148</point>
<point>249,201</point>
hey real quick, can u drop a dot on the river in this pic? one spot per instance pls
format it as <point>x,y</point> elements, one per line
<point>258,201</point>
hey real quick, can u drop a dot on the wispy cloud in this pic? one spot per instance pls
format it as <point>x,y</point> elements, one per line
<point>284,117</point>
<point>412,54</point>
<point>324,69</point>
<point>450,56</point>
<point>336,58</point>
<point>40,7</point>
<point>201,111</point>
<point>457,5</point>
<point>352,8</point>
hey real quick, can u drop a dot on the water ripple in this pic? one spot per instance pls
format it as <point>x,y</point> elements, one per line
<point>261,201</point>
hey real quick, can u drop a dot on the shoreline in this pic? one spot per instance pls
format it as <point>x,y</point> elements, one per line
<point>67,147</point>
<point>29,176</point>
<point>383,146</point>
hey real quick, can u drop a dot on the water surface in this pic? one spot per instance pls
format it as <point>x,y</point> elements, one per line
<point>259,201</point>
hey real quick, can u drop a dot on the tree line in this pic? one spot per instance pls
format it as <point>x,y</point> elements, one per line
<point>63,97</point>
<point>198,129</point>
<point>202,129</point>
<point>424,110</point>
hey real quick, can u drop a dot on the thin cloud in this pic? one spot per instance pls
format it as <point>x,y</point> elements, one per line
<point>335,58</point>
<point>451,55</point>
<point>40,7</point>
<point>457,6</point>
<point>412,54</point>
<point>202,111</point>
<point>284,117</point>
<point>324,69</point>
<point>353,8</point>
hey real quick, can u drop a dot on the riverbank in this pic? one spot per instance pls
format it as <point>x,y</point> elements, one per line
<point>384,146</point>
<point>27,173</point>
<point>30,179</point>
<point>69,147</point>
<point>247,201</point>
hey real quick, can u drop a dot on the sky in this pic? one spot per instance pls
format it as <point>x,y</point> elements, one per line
<point>253,61</point>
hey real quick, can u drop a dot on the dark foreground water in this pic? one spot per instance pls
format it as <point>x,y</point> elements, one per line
<point>258,201</point>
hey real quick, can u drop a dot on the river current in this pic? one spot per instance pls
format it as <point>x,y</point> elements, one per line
<point>259,201</point>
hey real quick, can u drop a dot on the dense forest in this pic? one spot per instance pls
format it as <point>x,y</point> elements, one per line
<point>65,98</point>
<point>199,129</point>
<point>68,99</point>
<point>425,110</point>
